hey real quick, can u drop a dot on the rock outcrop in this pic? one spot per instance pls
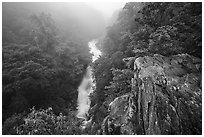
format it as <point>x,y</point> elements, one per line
<point>166,98</point>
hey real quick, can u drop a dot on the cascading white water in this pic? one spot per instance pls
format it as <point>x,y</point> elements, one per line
<point>93,49</point>
<point>84,91</point>
<point>87,85</point>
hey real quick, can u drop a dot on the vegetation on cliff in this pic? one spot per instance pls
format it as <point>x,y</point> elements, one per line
<point>145,29</point>
<point>148,78</point>
<point>166,98</point>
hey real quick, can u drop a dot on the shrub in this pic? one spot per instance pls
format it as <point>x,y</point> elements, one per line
<point>42,122</point>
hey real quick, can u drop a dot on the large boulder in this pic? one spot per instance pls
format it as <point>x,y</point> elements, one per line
<point>166,98</point>
<point>117,122</point>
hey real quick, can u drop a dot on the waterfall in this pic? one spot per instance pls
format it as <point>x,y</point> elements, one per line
<point>93,50</point>
<point>87,85</point>
<point>84,91</point>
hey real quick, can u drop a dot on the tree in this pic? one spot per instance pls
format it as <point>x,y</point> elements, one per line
<point>44,72</point>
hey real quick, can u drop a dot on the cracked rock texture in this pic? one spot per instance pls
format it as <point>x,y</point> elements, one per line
<point>166,98</point>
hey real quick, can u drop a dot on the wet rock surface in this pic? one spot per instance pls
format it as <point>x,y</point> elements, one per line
<point>166,98</point>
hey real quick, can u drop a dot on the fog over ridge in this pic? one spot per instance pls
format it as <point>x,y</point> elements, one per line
<point>82,20</point>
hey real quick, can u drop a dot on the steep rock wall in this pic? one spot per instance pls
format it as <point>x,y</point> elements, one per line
<point>166,98</point>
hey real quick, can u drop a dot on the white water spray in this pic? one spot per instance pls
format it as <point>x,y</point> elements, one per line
<point>93,49</point>
<point>86,88</point>
<point>84,91</point>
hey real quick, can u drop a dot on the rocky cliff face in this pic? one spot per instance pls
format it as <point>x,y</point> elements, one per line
<point>166,98</point>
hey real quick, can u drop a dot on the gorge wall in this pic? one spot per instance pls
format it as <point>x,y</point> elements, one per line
<point>166,98</point>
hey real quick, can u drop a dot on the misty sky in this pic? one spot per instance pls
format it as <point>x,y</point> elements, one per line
<point>106,8</point>
<point>76,21</point>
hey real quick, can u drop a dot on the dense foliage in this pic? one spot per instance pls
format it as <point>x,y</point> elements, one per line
<point>42,68</point>
<point>120,84</point>
<point>39,67</point>
<point>42,122</point>
<point>144,29</point>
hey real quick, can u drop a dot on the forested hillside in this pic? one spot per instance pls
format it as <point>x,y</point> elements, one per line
<point>148,78</point>
<point>42,66</point>
<point>142,29</point>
